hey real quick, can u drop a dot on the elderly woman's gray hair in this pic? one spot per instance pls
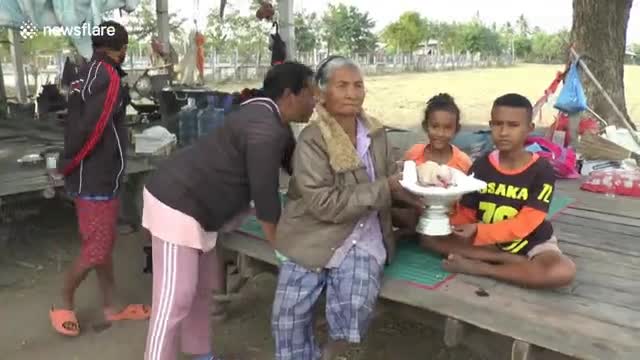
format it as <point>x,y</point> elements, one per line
<point>328,66</point>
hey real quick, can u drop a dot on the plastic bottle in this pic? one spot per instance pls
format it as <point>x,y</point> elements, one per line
<point>187,123</point>
<point>211,117</point>
<point>205,116</point>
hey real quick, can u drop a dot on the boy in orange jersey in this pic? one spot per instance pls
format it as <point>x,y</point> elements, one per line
<point>502,231</point>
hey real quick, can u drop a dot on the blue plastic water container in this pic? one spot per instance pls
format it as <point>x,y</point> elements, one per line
<point>210,117</point>
<point>188,123</point>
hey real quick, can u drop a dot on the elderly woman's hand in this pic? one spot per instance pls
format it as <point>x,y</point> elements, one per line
<point>400,193</point>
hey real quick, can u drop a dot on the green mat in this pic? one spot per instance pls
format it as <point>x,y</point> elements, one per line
<point>252,227</point>
<point>413,264</point>
<point>558,203</point>
<point>417,266</point>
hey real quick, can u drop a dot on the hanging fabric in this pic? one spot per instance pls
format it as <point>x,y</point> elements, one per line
<point>278,47</point>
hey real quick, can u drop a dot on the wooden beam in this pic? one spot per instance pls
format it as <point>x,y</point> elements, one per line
<point>454,330</point>
<point>245,266</point>
<point>521,350</point>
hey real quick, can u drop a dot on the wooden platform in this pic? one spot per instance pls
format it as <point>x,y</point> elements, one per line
<point>597,318</point>
<point>19,185</point>
<point>19,139</point>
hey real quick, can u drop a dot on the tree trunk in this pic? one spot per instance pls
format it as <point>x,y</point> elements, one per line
<point>599,33</point>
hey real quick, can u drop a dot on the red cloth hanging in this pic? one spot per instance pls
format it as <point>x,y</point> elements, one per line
<point>200,40</point>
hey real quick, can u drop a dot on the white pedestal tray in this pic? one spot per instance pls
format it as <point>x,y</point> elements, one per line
<point>438,201</point>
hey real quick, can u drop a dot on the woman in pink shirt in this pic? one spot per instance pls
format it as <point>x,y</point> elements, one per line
<point>206,188</point>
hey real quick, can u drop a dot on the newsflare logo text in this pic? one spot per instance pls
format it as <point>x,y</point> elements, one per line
<point>28,30</point>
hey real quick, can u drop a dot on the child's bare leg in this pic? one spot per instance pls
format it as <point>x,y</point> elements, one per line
<point>446,245</point>
<point>547,270</point>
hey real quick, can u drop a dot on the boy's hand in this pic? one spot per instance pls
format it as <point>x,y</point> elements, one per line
<point>466,232</point>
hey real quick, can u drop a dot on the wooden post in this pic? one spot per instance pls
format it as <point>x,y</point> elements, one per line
<point>235,65</point>
<point>314,63</point>
<point>213,64</point>
<point>521,350</point>
<point>245,266</point>
<point>17,54</point>
<point>453,332</point>
<point>258,61</point>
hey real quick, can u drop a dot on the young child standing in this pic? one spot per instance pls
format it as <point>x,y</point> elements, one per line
<point>503,232</point>
<point>441,123</point>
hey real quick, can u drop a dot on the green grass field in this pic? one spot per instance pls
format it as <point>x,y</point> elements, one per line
<point>398,100</point>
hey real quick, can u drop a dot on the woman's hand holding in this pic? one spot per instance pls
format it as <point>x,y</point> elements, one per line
<point>398,192</point>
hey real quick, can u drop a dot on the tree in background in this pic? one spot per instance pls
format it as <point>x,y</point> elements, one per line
<point>143,24</point>
<point>218,32</point>
<point>235,31</point>
<point>476,37</point>
<point>307,30</point>
<point>445,33</point>
<point>549,48</point>
<point>40,44</point>
<point>522,24</point>
<point>348,30</point>
<point>599,33</point>
<point>407,33</point>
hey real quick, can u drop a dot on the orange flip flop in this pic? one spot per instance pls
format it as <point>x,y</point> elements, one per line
<point>64,322</point>
<point>132,312</point>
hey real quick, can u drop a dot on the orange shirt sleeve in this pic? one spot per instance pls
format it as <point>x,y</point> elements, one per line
<point>509,230</point>
<point>463,215</point>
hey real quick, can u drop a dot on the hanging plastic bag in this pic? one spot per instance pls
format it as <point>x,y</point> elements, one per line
<point>572,99</point>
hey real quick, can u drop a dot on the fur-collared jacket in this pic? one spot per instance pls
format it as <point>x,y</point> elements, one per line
<point>330,191</point>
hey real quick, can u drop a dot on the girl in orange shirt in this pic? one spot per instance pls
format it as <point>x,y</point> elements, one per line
<point>441,123</point>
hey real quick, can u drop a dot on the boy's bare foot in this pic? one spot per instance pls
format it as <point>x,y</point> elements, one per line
<point>460,264</point>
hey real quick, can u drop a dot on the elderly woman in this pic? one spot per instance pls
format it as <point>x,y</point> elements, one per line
<point>335,232</point>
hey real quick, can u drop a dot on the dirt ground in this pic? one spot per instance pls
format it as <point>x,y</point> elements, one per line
<point>40,248</point>
<point>31,275</point>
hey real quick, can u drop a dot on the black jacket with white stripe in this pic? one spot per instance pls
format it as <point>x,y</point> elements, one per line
<point>95,137</point>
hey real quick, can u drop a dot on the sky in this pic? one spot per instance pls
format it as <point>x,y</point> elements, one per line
<point>550,15</point>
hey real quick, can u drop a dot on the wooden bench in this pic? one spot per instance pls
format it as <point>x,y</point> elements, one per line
<point>22,184</point>
<point>598,317</point>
